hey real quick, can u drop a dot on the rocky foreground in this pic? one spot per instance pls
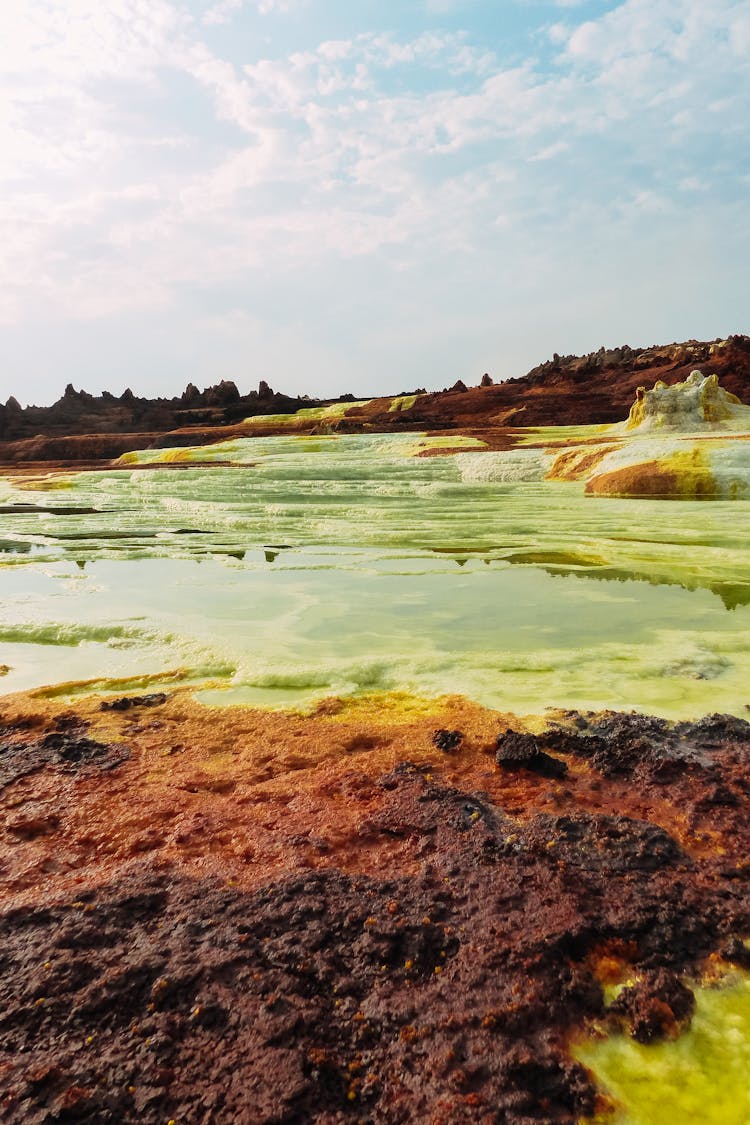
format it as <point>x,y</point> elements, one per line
<point>566,390</point>
<point>369,914</point>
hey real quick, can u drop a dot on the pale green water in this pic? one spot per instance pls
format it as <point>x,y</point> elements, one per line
<point>702,1077</point>
<point>338,565</point>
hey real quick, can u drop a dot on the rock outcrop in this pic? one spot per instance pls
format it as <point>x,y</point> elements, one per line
<point>78,413</point>
<point>697,404</point>
<point>690,441</point>
<point>566,390</point>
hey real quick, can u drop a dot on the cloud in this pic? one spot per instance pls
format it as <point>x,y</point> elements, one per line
<point>225,10</point>
<point>142,161</point>
<point>222,12</point>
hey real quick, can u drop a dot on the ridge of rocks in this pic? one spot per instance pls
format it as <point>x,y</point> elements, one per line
<point>595,388</point>
<point>80,412</point>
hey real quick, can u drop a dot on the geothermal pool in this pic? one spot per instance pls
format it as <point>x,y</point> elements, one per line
<point>276,572</point>
<point>702,1077</point>
<point>346,565</point>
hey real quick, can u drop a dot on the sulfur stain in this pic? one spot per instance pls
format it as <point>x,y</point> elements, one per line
<point>578,463</point>
<point>680,475</point>
<point>692,405</point>
<point>700,1077</point>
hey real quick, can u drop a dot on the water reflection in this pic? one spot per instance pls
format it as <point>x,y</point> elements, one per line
<point>731,594</point>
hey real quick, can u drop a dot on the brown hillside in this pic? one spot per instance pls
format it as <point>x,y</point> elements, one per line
<point>566,390</point>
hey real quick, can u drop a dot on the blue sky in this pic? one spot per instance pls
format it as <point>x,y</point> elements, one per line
<point>364,196</point>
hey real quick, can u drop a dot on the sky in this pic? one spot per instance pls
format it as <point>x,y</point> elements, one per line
<point>364,196</point>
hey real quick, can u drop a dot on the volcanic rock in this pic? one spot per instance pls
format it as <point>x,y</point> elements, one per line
<point>447,740</point>
<point>698,403</point>
<point>317,935</point>
<point>655,1005</point>
<point>516,750</point>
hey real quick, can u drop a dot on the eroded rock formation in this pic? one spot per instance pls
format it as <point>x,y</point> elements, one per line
<point>80,413</point>
<point>697,404</point>
<point>689,441</point>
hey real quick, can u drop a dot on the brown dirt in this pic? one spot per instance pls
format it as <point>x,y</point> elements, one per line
<point>357,915</point>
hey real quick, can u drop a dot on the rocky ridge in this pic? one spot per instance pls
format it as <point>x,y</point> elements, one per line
<point>595,388</point>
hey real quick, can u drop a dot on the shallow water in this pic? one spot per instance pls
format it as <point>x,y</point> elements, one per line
<point>339,565</point>
<point>702,1077</point>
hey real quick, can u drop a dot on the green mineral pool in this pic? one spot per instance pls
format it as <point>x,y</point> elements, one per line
<point>306,567</point>
<point>701,1078</point>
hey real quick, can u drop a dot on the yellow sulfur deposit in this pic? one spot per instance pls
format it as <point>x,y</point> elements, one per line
<point>696,404</point>
<point>690,441</point>
<point>700,1077</point>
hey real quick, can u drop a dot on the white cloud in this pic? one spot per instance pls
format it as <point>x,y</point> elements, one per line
<point>222,12</point>
<point>225,10</point>
<point>414,151</point>
<point>549,152</point>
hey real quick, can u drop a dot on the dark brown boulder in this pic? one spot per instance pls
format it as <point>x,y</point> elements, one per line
<point>516,750</point>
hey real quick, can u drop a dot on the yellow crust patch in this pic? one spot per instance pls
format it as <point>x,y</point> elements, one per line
<point>681,476</point>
